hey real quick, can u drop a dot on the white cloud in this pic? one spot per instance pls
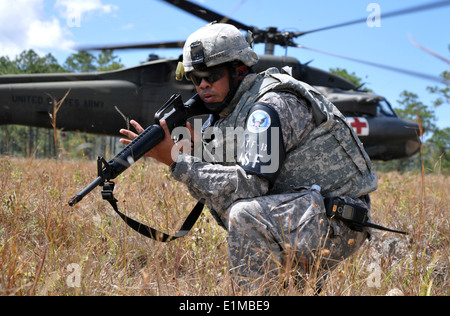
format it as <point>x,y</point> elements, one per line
<point>48,34</point>
<point>27,24</point>
<point>24,25</point>
<point>77,8</point>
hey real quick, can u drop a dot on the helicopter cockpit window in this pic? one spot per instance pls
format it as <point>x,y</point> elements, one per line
<point>385,109</point>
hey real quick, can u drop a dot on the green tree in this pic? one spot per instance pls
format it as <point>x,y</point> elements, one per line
<point>6,66</point>
<point>352,77</point>
<point>435,153</point>
<point>439,146</point>
<point>442,92</point>
<point>439,143</point>
<point>29,62</point>
<point>87,62</point>
<point>80,62</point>
<point>413,109</point>
<point>107,61</point>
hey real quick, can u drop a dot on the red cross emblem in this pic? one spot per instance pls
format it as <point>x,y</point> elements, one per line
<point>360,125</point>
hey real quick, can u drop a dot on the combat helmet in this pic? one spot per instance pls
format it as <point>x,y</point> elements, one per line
<point>215,44</point>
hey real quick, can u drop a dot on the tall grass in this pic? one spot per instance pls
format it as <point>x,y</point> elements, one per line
<point>48,248</point>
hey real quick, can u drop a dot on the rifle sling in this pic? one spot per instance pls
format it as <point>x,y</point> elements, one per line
<point>147,231</point>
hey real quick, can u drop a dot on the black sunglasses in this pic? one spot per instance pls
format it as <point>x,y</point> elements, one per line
<point>211,75</point>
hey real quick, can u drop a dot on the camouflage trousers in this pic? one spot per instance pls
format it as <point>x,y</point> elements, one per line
<point>271,235</point>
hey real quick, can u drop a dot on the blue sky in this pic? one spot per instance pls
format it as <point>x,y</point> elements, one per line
<point>57,25</point>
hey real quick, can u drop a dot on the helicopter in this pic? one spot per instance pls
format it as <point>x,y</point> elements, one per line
<point>100,103</point>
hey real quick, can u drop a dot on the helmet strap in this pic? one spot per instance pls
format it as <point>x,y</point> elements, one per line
<point>234,82</point>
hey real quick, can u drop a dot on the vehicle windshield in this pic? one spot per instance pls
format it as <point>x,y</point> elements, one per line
<point>385,109</point>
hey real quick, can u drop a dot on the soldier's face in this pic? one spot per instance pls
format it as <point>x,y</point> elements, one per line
<point>215,91</point>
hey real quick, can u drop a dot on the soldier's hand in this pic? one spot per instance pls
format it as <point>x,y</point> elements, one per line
<point>131,135</point>
<point>166,151</point>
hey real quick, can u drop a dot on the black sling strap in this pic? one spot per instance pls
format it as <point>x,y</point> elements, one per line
<point>149,232</point>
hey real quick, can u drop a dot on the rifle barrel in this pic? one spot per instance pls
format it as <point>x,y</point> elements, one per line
<point>77,198</point>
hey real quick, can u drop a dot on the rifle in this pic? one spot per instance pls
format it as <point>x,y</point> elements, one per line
<point>107,171</point>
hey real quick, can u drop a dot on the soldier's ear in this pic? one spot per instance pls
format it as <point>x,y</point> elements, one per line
<point>242,71</point>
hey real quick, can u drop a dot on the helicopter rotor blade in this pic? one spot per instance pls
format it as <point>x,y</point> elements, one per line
<point>445,60</point>
<point>206,14</point>
<point>390,68</point>
<point>175,44</point>
<point>419,8</point>
<point>190,7</point>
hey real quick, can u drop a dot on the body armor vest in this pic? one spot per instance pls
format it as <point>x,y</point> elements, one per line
<point>331,156</point>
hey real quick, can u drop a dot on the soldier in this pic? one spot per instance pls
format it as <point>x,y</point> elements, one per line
<point>266,182</point>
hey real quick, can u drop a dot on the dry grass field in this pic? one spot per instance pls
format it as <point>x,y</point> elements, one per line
<point>49,248</point>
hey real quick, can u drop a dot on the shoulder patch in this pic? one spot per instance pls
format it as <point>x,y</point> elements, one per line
<point>259,121</point>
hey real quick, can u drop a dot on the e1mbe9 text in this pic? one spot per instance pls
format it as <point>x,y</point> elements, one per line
<point>246,305</point>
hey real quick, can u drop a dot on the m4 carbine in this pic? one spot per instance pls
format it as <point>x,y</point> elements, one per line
<point>178,115</point>
<point>180,112</point>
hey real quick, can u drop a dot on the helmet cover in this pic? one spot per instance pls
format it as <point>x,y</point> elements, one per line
<point>217,44</point>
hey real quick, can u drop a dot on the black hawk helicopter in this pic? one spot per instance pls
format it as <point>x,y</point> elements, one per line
<point>97,102</point>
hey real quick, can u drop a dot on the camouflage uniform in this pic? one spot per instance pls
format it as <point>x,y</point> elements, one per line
<point>269,222</point>
<point>275,219</point>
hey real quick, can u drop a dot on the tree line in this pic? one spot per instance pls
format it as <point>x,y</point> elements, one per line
<point>24,141</point>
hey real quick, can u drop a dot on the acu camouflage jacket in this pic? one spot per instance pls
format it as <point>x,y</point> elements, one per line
<point>320,147</point>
